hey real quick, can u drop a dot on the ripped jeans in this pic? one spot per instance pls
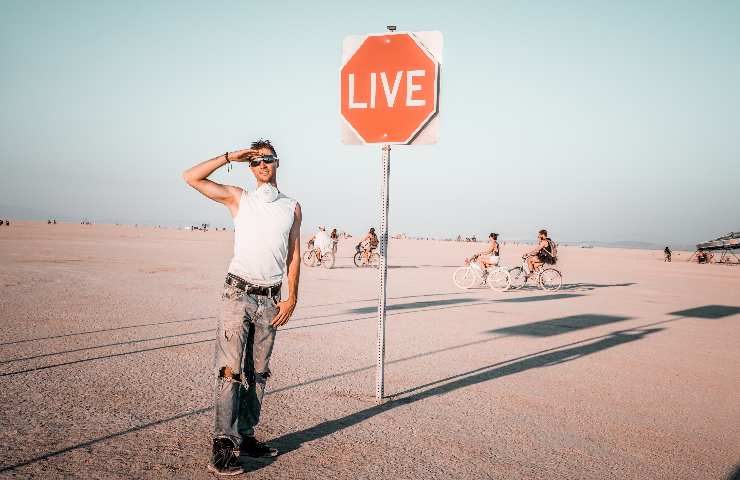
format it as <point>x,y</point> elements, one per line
<point>243,344</point>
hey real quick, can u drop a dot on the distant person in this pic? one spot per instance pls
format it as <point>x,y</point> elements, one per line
<point>368,243</point>
<point>704,257</point>
<point>544,252</point>
<point>266,243</point>
<point>334,236</point>
<point>667,254</point>
<point>490,256</point>
<point>2,223</point>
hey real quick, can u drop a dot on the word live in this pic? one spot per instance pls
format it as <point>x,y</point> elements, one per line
<point>390,92</point>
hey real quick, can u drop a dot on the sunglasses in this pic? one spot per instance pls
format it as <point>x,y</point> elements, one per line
<point>268,159</point>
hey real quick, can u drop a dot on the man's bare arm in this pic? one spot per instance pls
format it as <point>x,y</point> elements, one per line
<point>542,245</point>
<point>197,177</point>
<point>287,306</point>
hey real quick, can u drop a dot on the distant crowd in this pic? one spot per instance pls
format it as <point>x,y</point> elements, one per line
<point>203,227</point>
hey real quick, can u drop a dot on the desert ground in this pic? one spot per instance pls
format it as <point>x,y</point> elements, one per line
<point>631,370</point>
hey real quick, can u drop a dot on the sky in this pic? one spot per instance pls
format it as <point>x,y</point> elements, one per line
<point>600,121</point>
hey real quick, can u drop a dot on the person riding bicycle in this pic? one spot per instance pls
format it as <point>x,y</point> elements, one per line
<point>321,241</point>
<point>545,252</point>
<point>368,244</point>
<point>490,256</point>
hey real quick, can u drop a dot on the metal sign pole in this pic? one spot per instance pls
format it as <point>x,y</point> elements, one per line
<point>382,272</point>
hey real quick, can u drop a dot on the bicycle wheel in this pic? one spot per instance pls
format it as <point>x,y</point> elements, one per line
<point>358,259</point>
<point>499,280</point>
<point>516,277</point>
<point>309,259</point>
<point>463,278</point>
<point>374,260</point>
<point>327,260</point>
<point>550,279</point>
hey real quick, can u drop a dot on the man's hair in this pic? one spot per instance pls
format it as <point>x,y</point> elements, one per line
<point>493,236</point>
<point>543,232</point>
<point>264,143</point>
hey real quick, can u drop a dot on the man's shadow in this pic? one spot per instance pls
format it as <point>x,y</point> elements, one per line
<point>292,441</point>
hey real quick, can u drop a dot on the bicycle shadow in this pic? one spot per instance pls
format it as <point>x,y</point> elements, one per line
<point>558,326</point>
<point>577,287</point>
<point>593,286</point>
<point>539,298</point>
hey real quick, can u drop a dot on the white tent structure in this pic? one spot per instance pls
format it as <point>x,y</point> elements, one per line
<point>727,246</point>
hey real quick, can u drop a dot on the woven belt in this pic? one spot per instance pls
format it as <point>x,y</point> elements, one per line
<point>251,289</point>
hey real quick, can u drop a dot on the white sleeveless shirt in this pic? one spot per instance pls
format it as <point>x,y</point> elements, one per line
<point>261,231</point>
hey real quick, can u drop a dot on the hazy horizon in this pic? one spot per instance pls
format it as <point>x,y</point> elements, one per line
<point>601,122</point>
<point>305,231</point>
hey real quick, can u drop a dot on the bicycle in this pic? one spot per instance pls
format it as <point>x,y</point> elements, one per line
<point>373,258</point>
<point>311,258</point>
<point>497,278</point>
<point>548,278</point>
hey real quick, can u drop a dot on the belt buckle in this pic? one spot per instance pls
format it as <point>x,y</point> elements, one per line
<point>236,283</point>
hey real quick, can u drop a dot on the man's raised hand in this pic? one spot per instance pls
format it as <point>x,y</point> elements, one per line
<point>243,155</point>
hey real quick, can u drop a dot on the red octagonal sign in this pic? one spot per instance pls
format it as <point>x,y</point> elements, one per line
<point>389,88</point>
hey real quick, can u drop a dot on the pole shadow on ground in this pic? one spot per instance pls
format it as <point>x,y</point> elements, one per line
<point>410,305</point>
<point>295,440</point>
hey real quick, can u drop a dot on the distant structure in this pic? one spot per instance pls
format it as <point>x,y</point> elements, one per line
<point>726,246</point>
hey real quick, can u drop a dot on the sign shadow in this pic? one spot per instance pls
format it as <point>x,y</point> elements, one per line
<point>295,440</point>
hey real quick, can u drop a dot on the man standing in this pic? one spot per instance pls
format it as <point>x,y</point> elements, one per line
<point>266,244</point>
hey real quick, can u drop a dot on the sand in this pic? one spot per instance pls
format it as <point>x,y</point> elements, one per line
<point>632,370</point>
